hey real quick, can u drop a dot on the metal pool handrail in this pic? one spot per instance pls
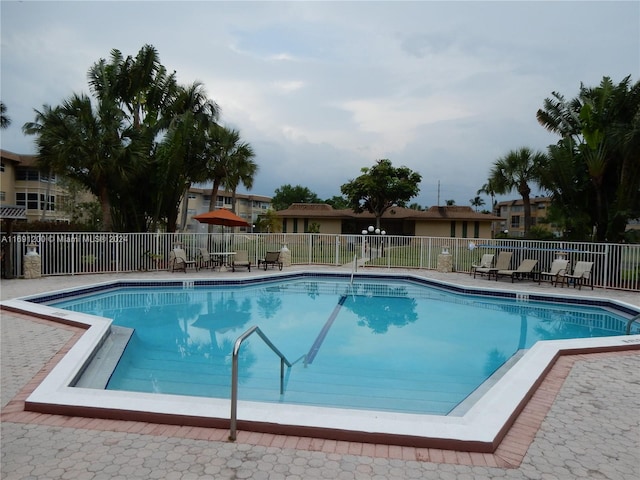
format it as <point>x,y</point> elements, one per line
<point>631,320</point>
<point>234,373</point>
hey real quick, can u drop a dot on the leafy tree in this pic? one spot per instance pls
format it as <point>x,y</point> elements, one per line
<point>5,121</point>
<point>416,206</point>
<point>286,195</point>
<point>516,171</point>
<point>269,222</point>
<point>477,202</point>
<point>338,202</point>
<point>594,172</point>
<point>450,203</point>
<point>380,188</point>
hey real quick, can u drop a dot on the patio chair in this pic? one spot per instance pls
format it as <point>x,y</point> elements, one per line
<point>485,262</point>
<point>525,269</point>
<point>558,269</point>
<point>271,258</point>
<point>580,276</point>
<point>502,263</point>
<point>178,260</point>
<point>241,259</point>
<point>204,259</point>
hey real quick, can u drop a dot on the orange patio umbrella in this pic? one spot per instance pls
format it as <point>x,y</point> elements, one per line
<point>223,217</point>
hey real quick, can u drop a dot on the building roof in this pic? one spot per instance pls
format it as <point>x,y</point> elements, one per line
<point>28,160</point>
<point>519,201</point>
<point>321,210</point>
<point>225,193</point>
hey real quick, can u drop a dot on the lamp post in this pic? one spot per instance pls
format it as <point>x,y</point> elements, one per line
<point>371,230</point>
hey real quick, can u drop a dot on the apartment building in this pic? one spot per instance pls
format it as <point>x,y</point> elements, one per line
<point>512,211</point>
<point>248,207</point>
<point>23,188</point>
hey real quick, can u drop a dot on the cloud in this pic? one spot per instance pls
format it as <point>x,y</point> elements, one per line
<point>322,89</point>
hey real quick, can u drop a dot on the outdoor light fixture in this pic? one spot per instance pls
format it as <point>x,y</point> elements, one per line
<point>371,230</point>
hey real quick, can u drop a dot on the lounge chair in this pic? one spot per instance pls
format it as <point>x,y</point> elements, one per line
<point>502,263</point>
<point>525,269</point>
<point>271,258</point>
<point>178,260</point>
<point>204,259</point>
<point>580,276</point>
<point>485,262</point>
<point>241,259</point>
<point>558,269</point>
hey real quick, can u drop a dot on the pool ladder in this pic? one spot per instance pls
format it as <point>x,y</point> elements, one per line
<point>234,373</point>
<point>630,321</point>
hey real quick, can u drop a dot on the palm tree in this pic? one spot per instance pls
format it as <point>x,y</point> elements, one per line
<point>84,144</point>
<point>223,149</point>
<point>600,138</point>
<point>476,202</point>
<point>5,121</point>
<point>181,160</point>
<point>242,170</point>
<point>488,189</point>
<point>515,171</point>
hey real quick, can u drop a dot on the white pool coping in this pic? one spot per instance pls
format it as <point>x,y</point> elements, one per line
<point>484,423</point>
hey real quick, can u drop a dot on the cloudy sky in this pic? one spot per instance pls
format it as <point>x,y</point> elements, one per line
<point>322,89</point>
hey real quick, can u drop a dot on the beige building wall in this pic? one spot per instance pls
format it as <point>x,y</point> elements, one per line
<point>444,229</point>
<point>301,225</point>
<point>7,186</point>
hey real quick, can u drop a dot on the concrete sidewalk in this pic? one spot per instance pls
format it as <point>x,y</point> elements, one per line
<point>583,422</point>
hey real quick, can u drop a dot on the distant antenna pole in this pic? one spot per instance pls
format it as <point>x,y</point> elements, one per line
<point>438,192</point>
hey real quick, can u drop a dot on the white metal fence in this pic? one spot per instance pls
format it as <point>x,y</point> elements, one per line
<point>615,265</point>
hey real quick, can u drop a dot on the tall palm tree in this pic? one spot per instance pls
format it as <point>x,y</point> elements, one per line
<point>85,144</point>
<point>489,189</point>
<point>242,170</point>
<point>516,171</point>
<point>5,121</point>
<point>223,148</point>
<point>181,154</point>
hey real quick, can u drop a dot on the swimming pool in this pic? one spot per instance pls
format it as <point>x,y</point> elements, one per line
<point>480,428</point>
<point>381,345</point>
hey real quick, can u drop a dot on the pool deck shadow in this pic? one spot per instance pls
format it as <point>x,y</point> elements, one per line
<point>509,454</point>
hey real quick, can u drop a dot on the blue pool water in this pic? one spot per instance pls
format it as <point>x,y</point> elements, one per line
<point>383,345</point>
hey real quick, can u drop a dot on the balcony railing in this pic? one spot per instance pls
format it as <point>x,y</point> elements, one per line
<point>615,265</point>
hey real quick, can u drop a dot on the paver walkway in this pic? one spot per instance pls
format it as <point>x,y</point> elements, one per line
<point>584,422</point>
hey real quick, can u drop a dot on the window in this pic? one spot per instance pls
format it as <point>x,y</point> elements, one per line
<point>27,174</point>
<point>27,200</point>
<point>2,167</point>
<point>47,205</point>
<point>3,196</point>
<point>48,178</point>
<point>515,221</point>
